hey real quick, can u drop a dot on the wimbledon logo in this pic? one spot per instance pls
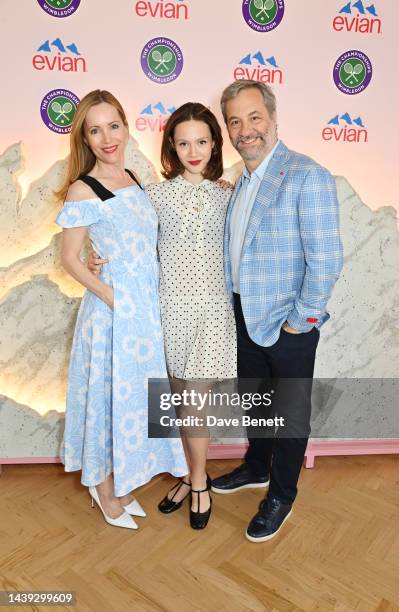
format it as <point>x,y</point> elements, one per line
<point>263,15</point>
<point>58,109</point>
<point>59,8</point>
<point>162,60</point>
<point>352,72</point>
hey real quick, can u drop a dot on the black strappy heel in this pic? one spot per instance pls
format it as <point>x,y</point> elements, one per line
<point>166,506</point>
<point>199,520</point>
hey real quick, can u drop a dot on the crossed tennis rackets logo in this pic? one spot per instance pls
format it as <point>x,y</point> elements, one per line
<point>263,15</point>
<point>62,111</point>
<point>58,109</point>
<point>352,71</point>
<point>163,60</point>
<point>263,6</point>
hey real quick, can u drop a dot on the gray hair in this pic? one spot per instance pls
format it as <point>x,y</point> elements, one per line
<point>234,89</point>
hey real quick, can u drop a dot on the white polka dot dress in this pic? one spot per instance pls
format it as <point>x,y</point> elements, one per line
<point>197,315</point>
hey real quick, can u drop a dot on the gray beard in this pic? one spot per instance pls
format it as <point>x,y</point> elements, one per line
<point>261,150</point>
<point>257,153</point>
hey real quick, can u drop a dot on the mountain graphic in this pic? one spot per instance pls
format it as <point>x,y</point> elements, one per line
<point>259,57</point>
<point>272,60</point>
<point>347,118</point>
<point>73,48</point>
<point>58,44</point>
<point>359,122</point>
<point>45,47</point>
<point>334,120</point>
<point>347,8</point>
<point>149,110</point>
<point>359,6</point>
<point>246,59</point>
<point>371,9</point>
<point>161,108</point>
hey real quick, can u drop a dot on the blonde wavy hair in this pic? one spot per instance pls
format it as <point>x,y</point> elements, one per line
<point>81,159</point>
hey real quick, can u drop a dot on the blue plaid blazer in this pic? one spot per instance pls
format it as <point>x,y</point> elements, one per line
<point>292,253</point>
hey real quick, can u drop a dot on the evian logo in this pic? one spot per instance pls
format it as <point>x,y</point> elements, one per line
<point>153,117</point>
<point>55,56</point>
<point>357,17</point>
<point>342,128</point>
<point>59,8</point>
<point>257,67</point>
<point>162,9</point>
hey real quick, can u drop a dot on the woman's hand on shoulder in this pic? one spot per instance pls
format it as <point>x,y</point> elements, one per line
<point>79,191</point>
<point>226,185</point>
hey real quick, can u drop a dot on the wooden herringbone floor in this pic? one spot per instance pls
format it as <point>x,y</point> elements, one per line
<point>338,551</point>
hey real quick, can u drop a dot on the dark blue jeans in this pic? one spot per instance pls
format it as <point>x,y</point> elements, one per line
<point>291,357</point>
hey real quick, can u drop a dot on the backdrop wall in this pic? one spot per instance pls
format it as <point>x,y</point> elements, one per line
<point>332,67</point>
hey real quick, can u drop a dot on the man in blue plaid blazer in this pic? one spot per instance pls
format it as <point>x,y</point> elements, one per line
<point>283,255</point>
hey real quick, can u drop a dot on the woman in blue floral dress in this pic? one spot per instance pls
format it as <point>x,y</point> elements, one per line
<point>118,340</point>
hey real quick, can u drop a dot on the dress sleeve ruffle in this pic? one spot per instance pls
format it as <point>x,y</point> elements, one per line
<point>78,214</point>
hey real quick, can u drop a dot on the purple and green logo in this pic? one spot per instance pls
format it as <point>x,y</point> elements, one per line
<point>263,15</point>
<point>59,8</point>
<point>161,60</point>
<point>352,72</point>
<point>58,109</point>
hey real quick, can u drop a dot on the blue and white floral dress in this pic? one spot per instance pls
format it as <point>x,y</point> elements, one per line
<point>114,352</point>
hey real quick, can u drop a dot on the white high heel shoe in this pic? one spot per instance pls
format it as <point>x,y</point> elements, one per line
<point>124,520</point>
<point>134,508</point>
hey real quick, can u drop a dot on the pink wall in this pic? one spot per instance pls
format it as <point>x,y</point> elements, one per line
<point>213,37</point>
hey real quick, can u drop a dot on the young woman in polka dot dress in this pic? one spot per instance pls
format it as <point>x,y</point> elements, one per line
<point>197,316</point>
